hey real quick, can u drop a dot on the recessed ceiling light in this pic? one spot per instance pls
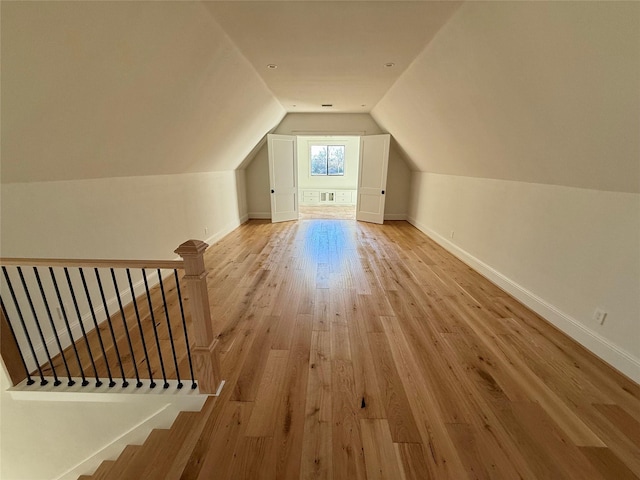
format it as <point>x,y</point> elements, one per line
<point>272,66</point>
<point>389,64</point>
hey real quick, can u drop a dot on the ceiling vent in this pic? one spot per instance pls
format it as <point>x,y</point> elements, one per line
<point>327,104</point>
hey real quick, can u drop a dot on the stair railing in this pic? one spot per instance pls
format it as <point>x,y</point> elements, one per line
<point>109,321</point>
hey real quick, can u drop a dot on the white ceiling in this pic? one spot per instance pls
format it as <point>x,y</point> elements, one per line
<point>331,52</point>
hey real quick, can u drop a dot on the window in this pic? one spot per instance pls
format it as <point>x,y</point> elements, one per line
<point>327,160</point>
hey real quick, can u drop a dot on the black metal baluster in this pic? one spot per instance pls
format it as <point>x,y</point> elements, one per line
<point>95,323</point>
<point>53,326</point>
<point>126,328</point>
<point>85,382</point>
<point>56,382</point>
<point>166,314</point>
<point>113,335</point>
<point>144,344</point>
<point>155,329</point>
<point>184,326</point>
<point>24,326</point>
<point>30,381</point>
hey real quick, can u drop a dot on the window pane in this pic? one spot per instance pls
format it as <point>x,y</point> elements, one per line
<point>318,160</point>
<point>335,160</point>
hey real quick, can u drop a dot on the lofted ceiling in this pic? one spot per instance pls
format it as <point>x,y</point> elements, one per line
<point>331,52</point>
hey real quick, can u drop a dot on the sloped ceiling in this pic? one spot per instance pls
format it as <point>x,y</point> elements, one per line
<point>331,52</point>
<point>543,92</point>
<point>540,92</point>
<point>116,89</point>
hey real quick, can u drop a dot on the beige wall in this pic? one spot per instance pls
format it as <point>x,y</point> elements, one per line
<point>523,119</point>
<point>132,217</point>
<point>120,89</point>
<point>257,171</point>
<point>542,92</point>
<point>563,251</point>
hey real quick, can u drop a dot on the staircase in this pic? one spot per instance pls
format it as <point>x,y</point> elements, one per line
<point>165,453</point>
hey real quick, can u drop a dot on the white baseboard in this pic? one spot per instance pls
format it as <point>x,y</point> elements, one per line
<point>395,216</point>
<point>244,218</point>
<point>594,342</point>
<point>260,215</point>
<point>224,231</point>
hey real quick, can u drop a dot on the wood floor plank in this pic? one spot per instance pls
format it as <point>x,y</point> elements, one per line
<point>348,459</point>
<point>263,422</point>
<point>380,456</point>
<point>316,462</point>
<point>398,412</point>
<point>607,463</point>
<point>354,351</point>
<point>290,414</point>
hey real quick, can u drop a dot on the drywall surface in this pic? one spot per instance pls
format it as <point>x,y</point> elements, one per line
<point>563,251</point>
<point>130,218</point>
<point>541,92</point>
<point>42,440</point>
<point>352,157</point>
<point>328,124</point>
<point>258,196</point>
<point>257,172</point>
<point>121,89</point>
<point>396,204</point>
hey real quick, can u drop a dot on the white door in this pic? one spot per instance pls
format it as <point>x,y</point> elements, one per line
<point>283,177</point>
<point>372,178</point>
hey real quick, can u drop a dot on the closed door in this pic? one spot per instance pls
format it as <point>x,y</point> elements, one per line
<point>372,178</point>
<point>283,177</point>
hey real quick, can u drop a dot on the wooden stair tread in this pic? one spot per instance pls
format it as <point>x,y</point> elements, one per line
<point>123,461</point>
<point>103,470</point>
<point>148,453</point>
<point>182,429</point>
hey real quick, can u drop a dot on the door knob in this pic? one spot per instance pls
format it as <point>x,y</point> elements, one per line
<point>273,191</point>
<point>382,192</point>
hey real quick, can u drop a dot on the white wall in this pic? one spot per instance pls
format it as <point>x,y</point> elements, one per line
<point>352,157</point>
<point>45,440</point>
<point>563,251</point>
<point>133,217</point>
<point>540,92</point>
<point>119,89</point>
<point>523,118</point>
<point>398,176</point>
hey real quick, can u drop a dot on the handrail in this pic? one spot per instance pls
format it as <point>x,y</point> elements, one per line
<point>85,342</point>
<point>91,263</point>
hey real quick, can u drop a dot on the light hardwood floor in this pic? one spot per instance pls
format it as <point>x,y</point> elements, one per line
<point>356,351</point>
<point>341,212</point>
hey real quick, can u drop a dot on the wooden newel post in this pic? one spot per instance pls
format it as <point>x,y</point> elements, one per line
<point>206,362</point>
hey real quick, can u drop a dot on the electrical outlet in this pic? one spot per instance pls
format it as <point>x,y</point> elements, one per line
<point>206,230</point>
<point>599,315</point>
<point>452,233</point>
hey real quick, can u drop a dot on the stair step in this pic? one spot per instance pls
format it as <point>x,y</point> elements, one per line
<point>183,456</point>
<point>147,454</point>
<point>180,431</point>
<point>123,461</point>
<point>163,455</point>
<point>103,470</point>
